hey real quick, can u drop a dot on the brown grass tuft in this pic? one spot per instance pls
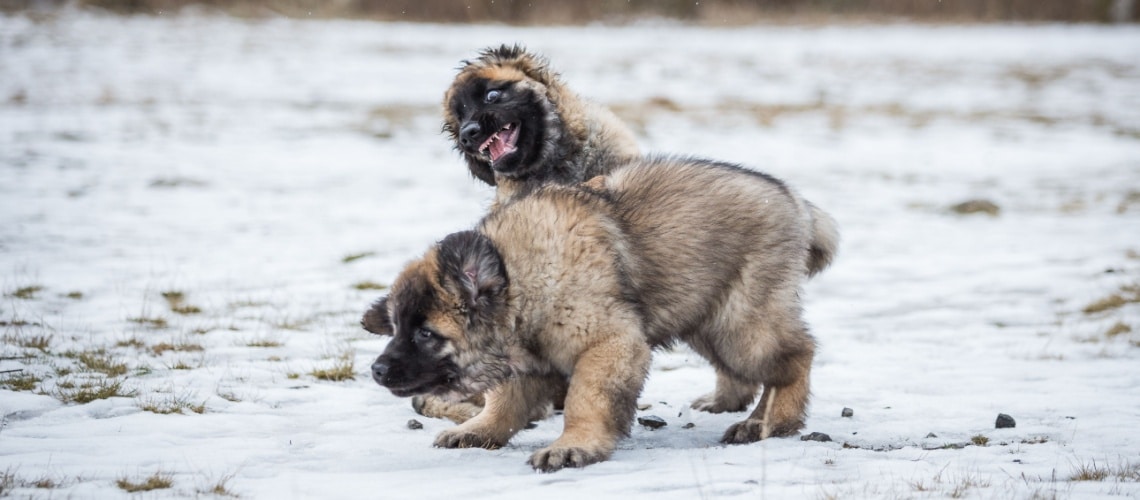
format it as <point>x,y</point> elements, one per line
<point>157,481</point>
<point>370,285</point>
<point>26,292</point>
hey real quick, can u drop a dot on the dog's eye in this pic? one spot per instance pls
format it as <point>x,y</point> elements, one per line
<point>423,334</point>
<point>492,96</point>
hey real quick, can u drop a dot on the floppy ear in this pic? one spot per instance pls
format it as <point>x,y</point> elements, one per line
<point>472,265</point>
<point>376,319</point>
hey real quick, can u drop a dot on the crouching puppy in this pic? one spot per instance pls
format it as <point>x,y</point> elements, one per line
<point>573,286</point>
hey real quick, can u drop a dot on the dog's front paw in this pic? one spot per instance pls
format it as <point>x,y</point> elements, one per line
<point>553,458</point>
<point>752,430</point>
<point>460,438</point>
<point>438,407</point>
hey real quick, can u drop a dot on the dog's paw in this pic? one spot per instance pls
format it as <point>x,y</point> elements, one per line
<point>743,432</point>
<point>752,430</point>
<point>708,403</point>
<point>553,458</point>
<point>459,438</point>
<point>438,407</point>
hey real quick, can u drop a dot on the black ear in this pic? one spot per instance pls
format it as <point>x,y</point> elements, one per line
<point>376,319</point>
<point>473,265</point>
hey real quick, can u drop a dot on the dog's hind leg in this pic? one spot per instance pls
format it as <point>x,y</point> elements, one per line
<point>783,404</point>
<point>731,394</point>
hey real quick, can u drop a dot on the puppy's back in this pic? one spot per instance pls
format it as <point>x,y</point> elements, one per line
<point>699,229</point>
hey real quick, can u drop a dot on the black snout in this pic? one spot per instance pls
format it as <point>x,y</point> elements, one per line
<point>469,133</point>
<point>379,369</point>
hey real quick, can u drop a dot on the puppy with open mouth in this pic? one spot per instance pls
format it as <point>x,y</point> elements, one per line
<point>519,127</point>
<point>571,287</point>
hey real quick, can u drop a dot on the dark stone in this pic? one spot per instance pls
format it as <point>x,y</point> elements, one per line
<point>931,435</point>
<point>652,421</point>
<point>847,412</point>
<point>689,425</point>
<point>816,436</point>
<point>1004,422</point>
<point>415,425</point>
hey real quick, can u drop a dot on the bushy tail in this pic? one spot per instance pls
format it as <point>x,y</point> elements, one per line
<point>824,240</point>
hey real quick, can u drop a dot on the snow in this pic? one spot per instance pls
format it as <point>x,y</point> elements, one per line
<point>241,161</point>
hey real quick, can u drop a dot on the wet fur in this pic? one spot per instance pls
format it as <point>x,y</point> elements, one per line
<point>571,287</point>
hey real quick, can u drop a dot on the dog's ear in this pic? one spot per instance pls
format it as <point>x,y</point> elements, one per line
<point>471,264</point>
<point>376,319</point>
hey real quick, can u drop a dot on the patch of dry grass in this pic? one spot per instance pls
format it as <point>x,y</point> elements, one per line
<point>220,488</point>
<point>342,369</point>
<point>348,259</point>
<point>163,347</point>
<point>1127,294</point>
<point>165,404</point>
<point>88,390</point>
<point>177,302</point>
<point>264,343</point>
<point>1119,328</point>
<point>1092,471</point>
<point>99,361</point>
<point>19,380</point>
<point>154,322</point>
<point>156,481</point>
<point>38,341</point>
<point>26,292</point>
<point>369,285</point>
<point>10,479</point>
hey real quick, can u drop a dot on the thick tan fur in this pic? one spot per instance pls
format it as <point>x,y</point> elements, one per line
<point>573,286</point>
<point>583,139</point>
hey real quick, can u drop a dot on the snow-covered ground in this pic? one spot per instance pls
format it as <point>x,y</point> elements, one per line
<point>263,169</point>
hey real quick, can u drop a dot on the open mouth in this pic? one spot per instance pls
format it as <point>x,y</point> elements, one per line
<point>435,386</point>
<point>501,143</point>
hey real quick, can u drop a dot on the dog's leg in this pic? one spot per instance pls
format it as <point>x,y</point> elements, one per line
<point>783,405</point>
<point>600,403</point>
<point>507,410</point>
<point>455,411</point>
<point>731,394</point>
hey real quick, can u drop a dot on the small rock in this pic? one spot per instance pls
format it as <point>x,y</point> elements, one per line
<point>652,421</point>
<point>1004,422</point>
<point>530,425</point>
<point>816,436</point>
<point>415,425</point>
<point>931,435</point>
<point>643,406</point>
<point>848,412</point>
<point>689,425</point>
<point>978,206</point>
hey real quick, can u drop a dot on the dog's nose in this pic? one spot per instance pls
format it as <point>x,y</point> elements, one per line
<point>379,369</point>
<point>468,133</point>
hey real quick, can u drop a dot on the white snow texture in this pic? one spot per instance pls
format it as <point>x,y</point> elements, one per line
<point>264,168</point>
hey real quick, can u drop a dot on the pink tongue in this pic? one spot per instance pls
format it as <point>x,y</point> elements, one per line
<point>499,146</point>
